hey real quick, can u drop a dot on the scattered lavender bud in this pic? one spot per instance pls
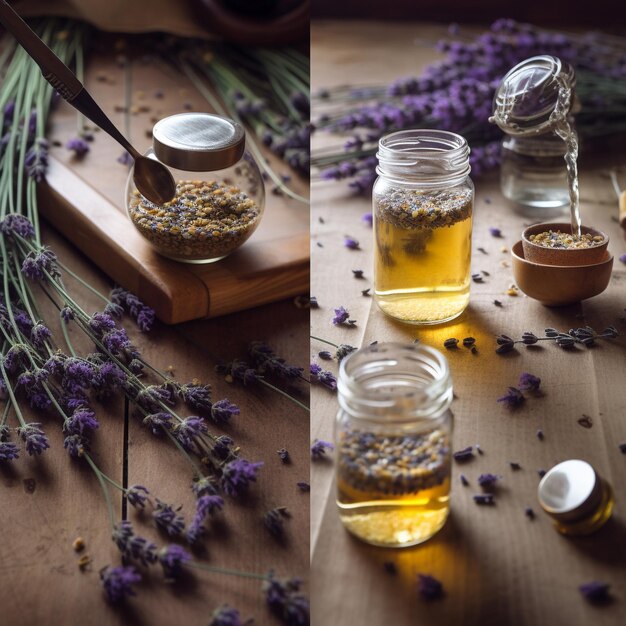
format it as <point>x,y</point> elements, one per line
<point>118,582</point>
<point>541,473</point>
<point>283,455</point>
<point>343,351</point>
<point>488,481</point>
<point>468,342</point>
<point>515,466</point>
<point>368,219</point>
<point>585,421</point>
<point>274,521</point>
<point>390,567</point>
<point>318,449</point>
<point>495,232</point>
<point>482,250</point>
<point>464,480</point>
<point>365,292</point>
<point>479,449</point>
<point>477,278</point>
<point>540,434</point>
<point>319,244</point>
<point>313,303</point>
<point>341,315</point>
<point>595,591</point>
<point>429,587</point>
<point>357,273</point>
<point>226,616</point>
<point>622,448</point>
<point>622,258</point>
<point>530,514</point>
<point>487,200</point>
<point>497,303</point>
<point>528,382</point>
<point>464,455</point>
<point>450,344</point>
<point>512,399</point>
<point>325,355</point>
<point>350,243</point>
<point>474,350</point>
<point>484,498</point>
<point>304,486</point>
<point>78,146</point>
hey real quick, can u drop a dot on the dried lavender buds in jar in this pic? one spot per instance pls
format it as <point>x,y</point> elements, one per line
<point>558,239</point>
<point>205,220</point>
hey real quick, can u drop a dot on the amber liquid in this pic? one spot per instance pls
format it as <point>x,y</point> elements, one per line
<point>422,274</point>
<point>394,521</point>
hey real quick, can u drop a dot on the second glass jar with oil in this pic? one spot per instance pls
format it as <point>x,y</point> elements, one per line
<point>423,202</point>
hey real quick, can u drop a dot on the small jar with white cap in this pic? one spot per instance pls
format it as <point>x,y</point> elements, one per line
<point>220,194</point>
<point>577,498</point>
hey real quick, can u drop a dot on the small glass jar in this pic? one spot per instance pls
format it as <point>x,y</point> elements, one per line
<point>220,194</point>
<point>577,498</point>
<point>422,206</point>
<point>392,437</point>
<point>533,101</point>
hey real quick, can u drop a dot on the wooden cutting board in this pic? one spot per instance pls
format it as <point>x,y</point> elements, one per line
<point>84,199</point>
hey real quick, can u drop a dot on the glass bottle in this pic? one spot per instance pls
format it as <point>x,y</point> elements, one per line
<point>422,207</point>
<point>392,437</point>
<point>531,104</point>
<point>220,194</point>
<point>577,498</point>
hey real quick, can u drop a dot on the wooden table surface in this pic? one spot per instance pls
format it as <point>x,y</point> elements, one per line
<point>49,501</point>
<point>497,566</point>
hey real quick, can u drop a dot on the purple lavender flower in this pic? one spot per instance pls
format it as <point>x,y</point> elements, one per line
<point>528,382</point>
<point>143,314</point>
<point>204,487</point>
<point>225,616</point>
<point>137,496</point>
<point>240,371</point>
<point>206,505</point>
<point>189,430</point>
<point>78,146</point>
<point>488,481</point>
<point>35,439</point>
<point>133,546</point>
<point>152,397</point>
<point>484,498</point>
<point>81,422</point>
<point>595,591</point>
<point>158,421</point>
<point>495,232</point>
<point>237,476</point>
<point>429,587</point>
<point>125,158</point>
<point>223,447</point>
<point>368,219</point>
<point>283,455</point>
<point>223,410</point>
<point>39,334</point>
<point>107,379</point>
<point>116,341</point>
<point>318,449</point>
<point>325,354</point>
<point>167,520</point>
<point>351,243</point>
<point>267,361</point>
<point>172,558</point>
<point>101,322</point>
<point>196,395</point>
<point>9,451</point>
<point>14,224</point>
<point>304,486</point>
<point>341,315</point>
<point>274,521</point>
<point>67,314</point>
<point>114,310</point>
<point>30,269</point>
<point>512,399</point>
<point>75,445</point>
<point>285,600</point>
<point>118,582</point>
<point>622,258</point>
<point>36,160</point>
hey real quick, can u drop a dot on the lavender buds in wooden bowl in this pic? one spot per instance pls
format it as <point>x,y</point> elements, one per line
<point>554,244</point>
<point>558,285</point>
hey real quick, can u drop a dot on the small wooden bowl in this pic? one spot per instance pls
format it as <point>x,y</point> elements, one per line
<point>555,285</point>
<point>563,256</point>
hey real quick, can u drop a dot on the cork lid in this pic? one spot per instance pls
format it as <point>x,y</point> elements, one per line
<point>198,142</point>
<point>570,491</point>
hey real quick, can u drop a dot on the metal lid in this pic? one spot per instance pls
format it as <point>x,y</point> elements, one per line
<point>198,142</point>
<point>570,491</point>
<point>529,93</point>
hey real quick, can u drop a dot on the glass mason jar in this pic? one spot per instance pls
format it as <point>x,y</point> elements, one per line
<point>533,106</point>
<point>220,194</point>
<point>392,437</point>
<point>422,206</point>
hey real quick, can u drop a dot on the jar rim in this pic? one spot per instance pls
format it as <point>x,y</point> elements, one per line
<point>395,381</point>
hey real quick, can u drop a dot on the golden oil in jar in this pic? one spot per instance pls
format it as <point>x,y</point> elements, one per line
<point>423,253</point>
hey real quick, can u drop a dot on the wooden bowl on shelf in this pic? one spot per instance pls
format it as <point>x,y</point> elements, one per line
<point>563,256</point>
<point>558,285</point>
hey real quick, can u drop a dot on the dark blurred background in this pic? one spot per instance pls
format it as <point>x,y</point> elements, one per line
<point>557,13</point>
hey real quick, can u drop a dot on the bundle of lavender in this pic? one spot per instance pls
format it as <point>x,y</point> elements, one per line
<point>65,387</point>
<point>456,94</point>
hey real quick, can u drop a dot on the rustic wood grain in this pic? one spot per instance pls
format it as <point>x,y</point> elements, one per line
<point>497,566</point>
<point>85,200</point>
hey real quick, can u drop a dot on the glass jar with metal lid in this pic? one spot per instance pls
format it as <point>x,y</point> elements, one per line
<point>532,104</point>
<point>392,437</point>
<point>220,194</point>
